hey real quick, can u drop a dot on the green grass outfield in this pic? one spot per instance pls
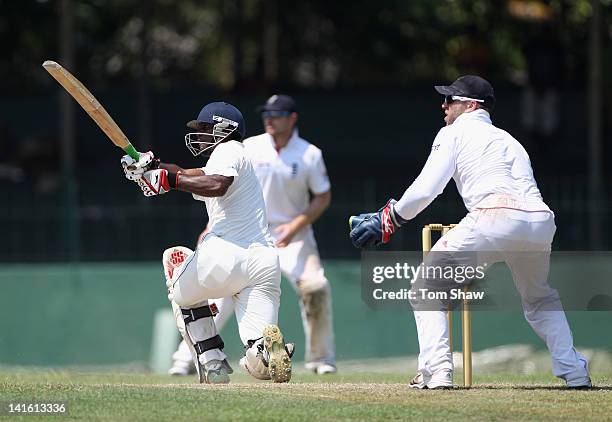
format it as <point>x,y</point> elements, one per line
<point>384,397</point>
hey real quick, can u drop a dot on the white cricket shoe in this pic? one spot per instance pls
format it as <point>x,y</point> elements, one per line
<point>290,348</point>
<point>276,354</point>
<point>254,360</point>
<point>321,368</point>
<point>418,381</point>
<point>440,380</point>
<point>326,368</point>
<point>182,368</point>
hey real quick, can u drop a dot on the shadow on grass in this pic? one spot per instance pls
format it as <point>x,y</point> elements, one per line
<point>535,387</point>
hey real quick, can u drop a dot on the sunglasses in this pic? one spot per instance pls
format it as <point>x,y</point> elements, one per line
<point>267,114</point>
<point>449,99</point>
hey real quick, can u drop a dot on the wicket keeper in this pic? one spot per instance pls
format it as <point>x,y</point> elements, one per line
<point>507,221</point>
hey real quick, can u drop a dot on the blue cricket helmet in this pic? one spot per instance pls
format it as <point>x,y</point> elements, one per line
<point>224,110</point>
<point>216,123</point>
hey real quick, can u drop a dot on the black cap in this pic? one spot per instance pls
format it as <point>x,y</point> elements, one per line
<point>470,86</point>
<point>279,103</point>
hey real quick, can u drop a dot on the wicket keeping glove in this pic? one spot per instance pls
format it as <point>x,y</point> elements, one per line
<point>157,182</point>
<point>135,169</point>
<point>373,229</point>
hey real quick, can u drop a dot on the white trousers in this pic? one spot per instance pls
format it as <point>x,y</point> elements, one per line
<point>300,263</point>
<point>249,277</point>
<point>522,240</point>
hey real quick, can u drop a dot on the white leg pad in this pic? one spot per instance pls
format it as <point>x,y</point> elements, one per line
<point>201,329</point>
<point>204,329</point>
<point>172,259</point>
<point>180,323</point>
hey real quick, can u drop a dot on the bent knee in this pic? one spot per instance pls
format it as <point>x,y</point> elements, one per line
<point>180,299</point>
<point>315,283</point>
<point>183,299</point>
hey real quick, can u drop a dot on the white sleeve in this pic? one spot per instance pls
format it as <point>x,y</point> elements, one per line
<point>318,181</point>
<point>224,161</point>
<point>436,173</point>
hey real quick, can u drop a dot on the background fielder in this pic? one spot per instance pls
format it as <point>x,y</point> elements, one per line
<point>290,170</point>
<point>507,222</point>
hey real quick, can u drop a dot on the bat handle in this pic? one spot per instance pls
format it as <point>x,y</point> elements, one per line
<point>131,151</point>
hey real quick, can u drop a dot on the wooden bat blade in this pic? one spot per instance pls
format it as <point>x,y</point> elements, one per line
<point>90,104</point>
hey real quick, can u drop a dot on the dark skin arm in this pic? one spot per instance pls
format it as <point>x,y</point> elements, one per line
<point>197,182</point>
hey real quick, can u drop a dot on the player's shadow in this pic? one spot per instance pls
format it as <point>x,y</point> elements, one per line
<point>535,387</point>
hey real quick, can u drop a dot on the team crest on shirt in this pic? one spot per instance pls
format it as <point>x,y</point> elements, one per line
<point>435,147</point>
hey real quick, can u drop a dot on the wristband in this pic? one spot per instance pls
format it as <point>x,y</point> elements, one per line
<point>397,219</point>
<point>173,179</point>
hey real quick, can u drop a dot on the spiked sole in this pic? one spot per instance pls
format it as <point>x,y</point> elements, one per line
<point>279,363</point>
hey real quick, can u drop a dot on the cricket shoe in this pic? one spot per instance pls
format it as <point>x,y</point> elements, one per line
<point>217,372</point>
<point>326,368</point>
<point>182,368</point>
<point>290,348</point>
<point>441,380</point>
<point>583,383</point>
<point>254,362</point>
<point>182,361</point>
<point>276,354</point>
<point>579,381</point>
<point>321,368</point>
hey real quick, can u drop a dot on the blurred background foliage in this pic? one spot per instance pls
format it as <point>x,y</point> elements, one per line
<point>361,71</point>
<point>237,45</point>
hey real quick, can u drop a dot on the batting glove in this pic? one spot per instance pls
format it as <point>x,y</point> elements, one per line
<point>157,182</point>
<point>373,229</point>
<point>135,169</point>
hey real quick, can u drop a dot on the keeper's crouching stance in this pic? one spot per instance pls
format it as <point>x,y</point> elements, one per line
<point>236,259</point>
<point>507,221</point>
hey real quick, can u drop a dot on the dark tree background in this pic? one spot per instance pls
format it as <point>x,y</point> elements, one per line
<point>361,71</point>
<point>237,45</point>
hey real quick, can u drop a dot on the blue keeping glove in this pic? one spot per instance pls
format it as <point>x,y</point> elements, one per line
<point>373,229</point>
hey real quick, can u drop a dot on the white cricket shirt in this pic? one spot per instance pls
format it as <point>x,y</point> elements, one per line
<point>238,216</point>
<point>287,176</point>
<point>490,167</point>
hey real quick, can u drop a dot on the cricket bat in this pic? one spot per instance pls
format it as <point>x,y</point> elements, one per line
<point>89,103</point>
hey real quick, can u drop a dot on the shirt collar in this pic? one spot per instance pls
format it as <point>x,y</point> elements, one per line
<point>294,136</point>
<point>291,141</point>
<point>478,114</point>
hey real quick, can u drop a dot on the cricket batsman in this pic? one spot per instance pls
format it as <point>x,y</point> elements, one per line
<point>236,258</point>
<point>296,192</point>
<point>507,221</point>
